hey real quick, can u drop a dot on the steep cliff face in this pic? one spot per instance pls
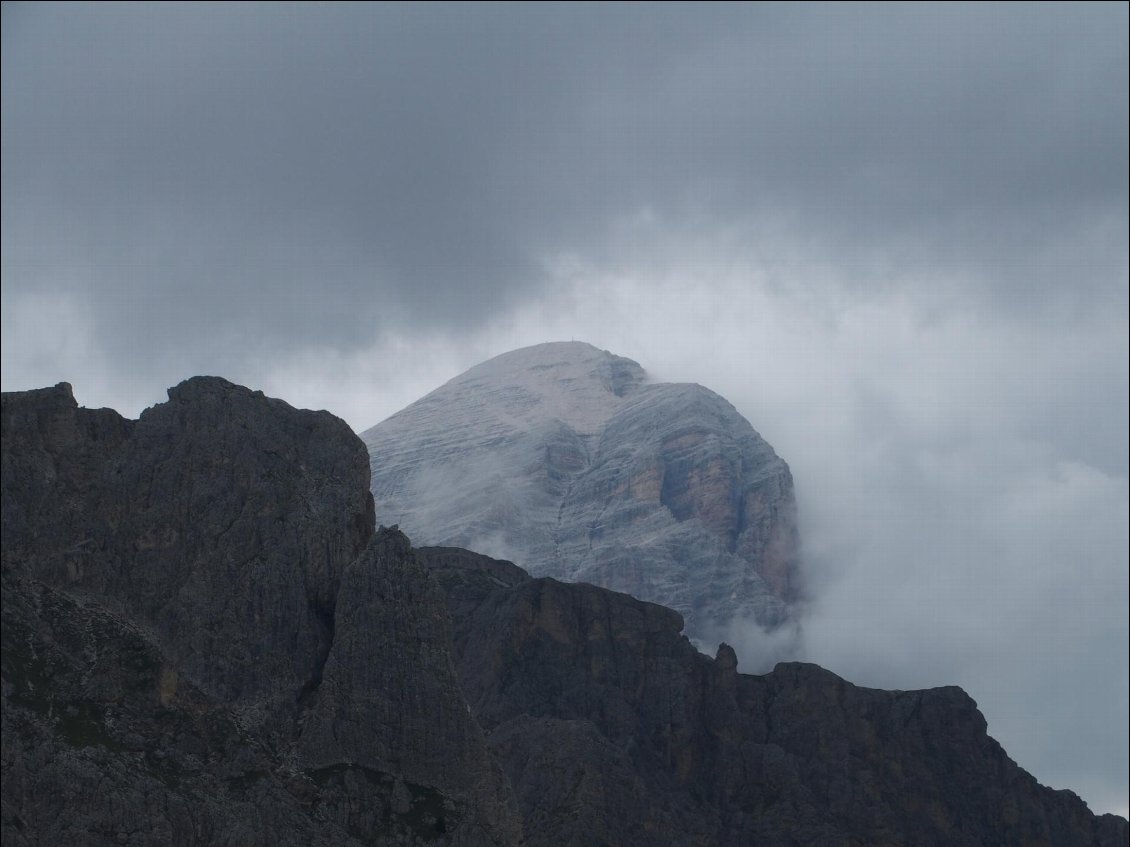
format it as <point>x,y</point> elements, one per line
<point>563,458</point>
<point>192,605</point>
<point>607,721</point>
<point>204,643</point>
<point>221,519</point>
<point>389,700</point>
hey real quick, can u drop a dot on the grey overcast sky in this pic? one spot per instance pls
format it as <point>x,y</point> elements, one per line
<point>894,236</point>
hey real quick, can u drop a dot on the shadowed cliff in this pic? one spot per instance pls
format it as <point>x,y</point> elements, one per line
<point>205,642</point>
<point>607,721</point>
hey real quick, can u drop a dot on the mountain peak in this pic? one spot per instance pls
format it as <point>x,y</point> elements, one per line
<point>564,459</point>
<point>568,360</point>
<point>565,355</point>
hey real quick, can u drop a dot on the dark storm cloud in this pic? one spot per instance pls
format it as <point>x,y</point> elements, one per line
<point>215,178</point>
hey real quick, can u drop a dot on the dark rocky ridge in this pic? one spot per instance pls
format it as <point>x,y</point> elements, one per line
<point>192,603</point>
<point>607,721</point>
<point>204,642</point>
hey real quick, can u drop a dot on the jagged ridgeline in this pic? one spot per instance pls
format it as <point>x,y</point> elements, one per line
<point>567,460</point>
<point>205,642</point>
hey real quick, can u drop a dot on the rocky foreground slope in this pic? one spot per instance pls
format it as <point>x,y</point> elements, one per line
<point>614,730</point>
<point>205,642</point>
<point>566,460</point>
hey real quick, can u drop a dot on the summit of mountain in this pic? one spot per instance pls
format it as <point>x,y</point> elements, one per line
<point>570,461</point>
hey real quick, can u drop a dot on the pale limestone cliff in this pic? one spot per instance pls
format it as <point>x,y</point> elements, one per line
<point>565,459</point>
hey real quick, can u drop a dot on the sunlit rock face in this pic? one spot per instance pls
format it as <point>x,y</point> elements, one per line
<point>567,460</point>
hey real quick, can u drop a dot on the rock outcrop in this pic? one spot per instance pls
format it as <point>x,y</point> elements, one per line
<point>193,603</point>
<point>614,730</point>
<point>563,458</point>
<point>205,643</point>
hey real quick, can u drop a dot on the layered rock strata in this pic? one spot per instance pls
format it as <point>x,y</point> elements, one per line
<point>563,458</point>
